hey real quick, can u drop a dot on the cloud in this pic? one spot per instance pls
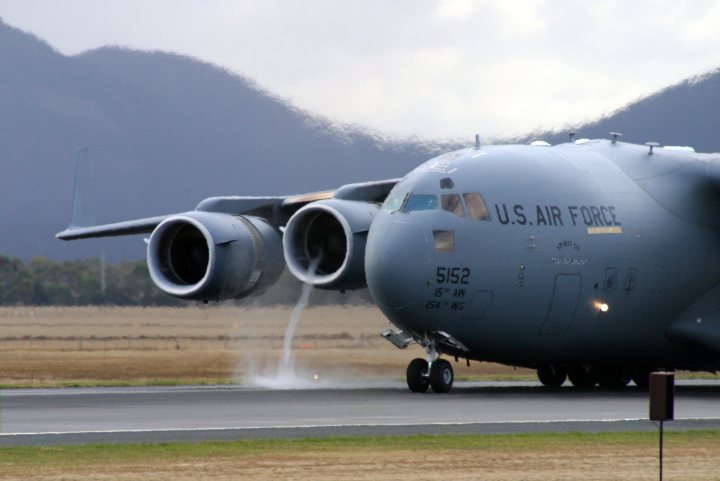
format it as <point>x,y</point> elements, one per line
<point>447,68</point>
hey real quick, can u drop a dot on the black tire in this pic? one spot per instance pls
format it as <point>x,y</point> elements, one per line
<point>582,377</point>
<point>551,376</point>
<point>641,378</point>
<point>416,375</point>
<point>441,376</point>
<point>613,378</point>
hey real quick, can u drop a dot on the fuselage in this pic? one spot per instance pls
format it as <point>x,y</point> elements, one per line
<point>577,254</point>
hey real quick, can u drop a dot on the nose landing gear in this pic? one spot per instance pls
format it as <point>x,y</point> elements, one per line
<point>438,375</point>
<point>441,376</point>
<point>417,377</point>
<point>433,372</point>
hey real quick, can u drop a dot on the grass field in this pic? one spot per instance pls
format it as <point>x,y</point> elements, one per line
<point>104,346</point>
<point>99,346</point>
<point>601,457</point>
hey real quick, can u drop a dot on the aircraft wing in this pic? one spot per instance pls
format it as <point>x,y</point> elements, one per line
<point>374,191</point>
<point>131,227</point>
<point>275,210</point>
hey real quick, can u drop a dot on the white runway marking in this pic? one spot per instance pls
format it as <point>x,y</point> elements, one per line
<point>231,412</point>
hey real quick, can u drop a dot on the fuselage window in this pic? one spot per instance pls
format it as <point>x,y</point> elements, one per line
<point>444,240</point>
<point>476,207</point>
<point>394,202</point>
<point>452,204</point>
<point>421,202</point>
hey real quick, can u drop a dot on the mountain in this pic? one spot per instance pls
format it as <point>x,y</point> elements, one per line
<point>164,131</point>
<point>687,114</point>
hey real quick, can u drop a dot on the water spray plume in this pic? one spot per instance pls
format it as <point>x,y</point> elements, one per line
<point>287,363</point>
<point>286,377</point>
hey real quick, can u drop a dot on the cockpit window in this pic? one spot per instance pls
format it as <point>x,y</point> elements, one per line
<point>452,204</point>
<point>395,201</point>
<point>420,202</point>
<point>476,207</point>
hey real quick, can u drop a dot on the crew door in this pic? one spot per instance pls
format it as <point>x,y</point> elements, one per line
<point>564,304</point>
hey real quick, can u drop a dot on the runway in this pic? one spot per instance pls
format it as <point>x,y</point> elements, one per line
<point>194,413</point>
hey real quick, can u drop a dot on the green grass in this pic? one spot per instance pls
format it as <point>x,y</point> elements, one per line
<point>137,453</point>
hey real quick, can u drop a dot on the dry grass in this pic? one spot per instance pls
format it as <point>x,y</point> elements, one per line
<point>60,346</point>
<point>53,346</point>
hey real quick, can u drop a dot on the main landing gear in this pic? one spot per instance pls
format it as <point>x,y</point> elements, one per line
<point>553,376</point>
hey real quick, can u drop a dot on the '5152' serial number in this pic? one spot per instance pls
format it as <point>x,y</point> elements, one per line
<point>452,275</point>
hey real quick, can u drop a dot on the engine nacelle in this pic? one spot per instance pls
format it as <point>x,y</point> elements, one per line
<point>214,256</point>
<point>333,232</point>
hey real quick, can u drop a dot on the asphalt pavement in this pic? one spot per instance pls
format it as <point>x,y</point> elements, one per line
<point>194,413</point>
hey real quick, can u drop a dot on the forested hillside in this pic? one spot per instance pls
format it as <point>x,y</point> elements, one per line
<point>42,282</point>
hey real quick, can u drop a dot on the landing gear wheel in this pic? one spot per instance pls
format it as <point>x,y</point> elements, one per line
<point>551,376</point>
<point>416,375</point>
<point>641,378</point>
<point>613,379</point>
<point>582,377</point>
<point>441,376</point>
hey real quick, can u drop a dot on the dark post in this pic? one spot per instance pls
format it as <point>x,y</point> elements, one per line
<point>662,403</point>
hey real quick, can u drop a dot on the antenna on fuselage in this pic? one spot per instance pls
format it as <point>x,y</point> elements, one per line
<point>571,136</point>
<point>651,145</point>
<point>615,136</point>
<point>477,141</point>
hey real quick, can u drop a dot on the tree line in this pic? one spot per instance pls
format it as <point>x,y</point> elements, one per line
<point>43,282</point>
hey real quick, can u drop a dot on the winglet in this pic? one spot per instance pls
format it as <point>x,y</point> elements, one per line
<point>82,223</point>
<point>82,214</point>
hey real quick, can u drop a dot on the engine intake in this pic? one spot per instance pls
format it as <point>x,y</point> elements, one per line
<point>332,233</point>
<point>213,256</point>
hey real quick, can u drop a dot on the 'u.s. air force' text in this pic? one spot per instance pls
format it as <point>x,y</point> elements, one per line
<point>553,215</point>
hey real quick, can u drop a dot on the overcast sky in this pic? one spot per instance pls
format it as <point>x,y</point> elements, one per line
<point>432,68</point>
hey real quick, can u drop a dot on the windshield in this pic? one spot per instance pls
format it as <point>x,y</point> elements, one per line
<point>394,201</point>
<point>421,202</point>
<point>471,205</point>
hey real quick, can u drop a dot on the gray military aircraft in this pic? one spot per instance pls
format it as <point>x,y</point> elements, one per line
<point>593,260</point>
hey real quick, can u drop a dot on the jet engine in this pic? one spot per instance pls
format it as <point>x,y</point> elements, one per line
<point>214,256</point>
<point>329,236</point>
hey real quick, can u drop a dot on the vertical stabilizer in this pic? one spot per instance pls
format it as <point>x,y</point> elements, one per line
<point>82,214</point>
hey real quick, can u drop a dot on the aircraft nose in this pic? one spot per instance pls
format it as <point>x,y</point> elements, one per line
<point>396,263</point>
